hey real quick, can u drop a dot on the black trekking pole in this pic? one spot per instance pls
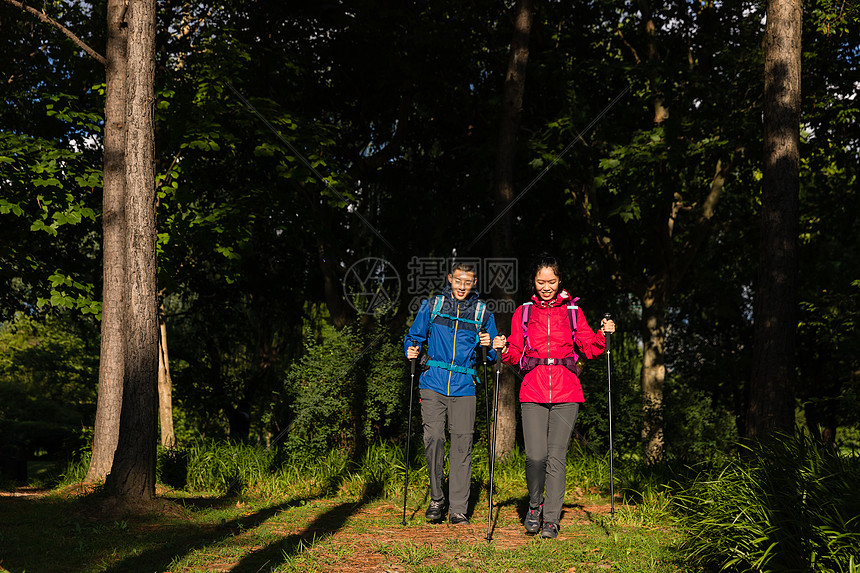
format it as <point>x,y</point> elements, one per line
<point>493,449</point>
<point>409,432</point>
<point>486,381</point>
<point>608,316</point>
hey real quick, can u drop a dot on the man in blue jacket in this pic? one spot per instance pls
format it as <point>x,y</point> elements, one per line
<point>453,324</point>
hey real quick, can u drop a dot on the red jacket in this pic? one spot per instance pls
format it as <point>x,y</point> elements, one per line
<point>549,337</point>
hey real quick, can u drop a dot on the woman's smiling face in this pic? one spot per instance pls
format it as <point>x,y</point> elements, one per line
<point>546,283</point>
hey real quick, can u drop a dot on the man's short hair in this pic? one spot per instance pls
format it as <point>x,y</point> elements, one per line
<point>466,267</point>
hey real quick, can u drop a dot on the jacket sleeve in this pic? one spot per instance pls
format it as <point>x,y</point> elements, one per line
<point>589,342</point>
<point>515,339</point>
<point>420,327</point>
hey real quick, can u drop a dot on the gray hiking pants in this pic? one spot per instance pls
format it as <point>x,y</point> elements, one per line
<point>546,431</point>
<point>460,411</point>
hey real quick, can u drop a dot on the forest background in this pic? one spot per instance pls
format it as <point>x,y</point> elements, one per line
<point>296,141</point>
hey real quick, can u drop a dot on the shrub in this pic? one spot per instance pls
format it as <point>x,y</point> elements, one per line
<point>346,391</point>
<point>789,505</point>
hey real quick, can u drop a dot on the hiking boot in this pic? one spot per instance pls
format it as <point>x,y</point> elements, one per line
<point>532,521</point>
<point>549,531</point>
<point>434,511</point>
<point>458,518</point>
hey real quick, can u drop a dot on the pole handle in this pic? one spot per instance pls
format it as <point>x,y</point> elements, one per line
<point>413,360</point>
<point>484,348</point>
<point>607,335</point>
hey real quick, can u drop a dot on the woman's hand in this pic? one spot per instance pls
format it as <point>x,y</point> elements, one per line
<point>500,342</point>
<point>607,326</point>
<point>484,337</point>
<point>412,352</point>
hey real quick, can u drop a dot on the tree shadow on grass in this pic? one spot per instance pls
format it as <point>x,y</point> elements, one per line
<point>180,540</point>
<point>323,526</point>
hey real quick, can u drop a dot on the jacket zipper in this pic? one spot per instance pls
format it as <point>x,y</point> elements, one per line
<point>454,351</point>
<point>548,346</point>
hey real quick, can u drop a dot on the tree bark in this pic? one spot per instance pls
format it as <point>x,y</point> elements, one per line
<point>133,474</point>
<point>165,388</point>
<point>653,369</point>
<point>111,363</point>
<point>503,194</point>
<point>771,390</point>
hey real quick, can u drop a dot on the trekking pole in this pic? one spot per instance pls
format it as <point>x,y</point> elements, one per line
<point>486,381</point>
<point>493,449</point>
<point>408,433</point>
<point>608,316</point>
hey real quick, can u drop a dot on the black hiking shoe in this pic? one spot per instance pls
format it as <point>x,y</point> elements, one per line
<point>549,531</point>
<point>435,510</point>
<point>533,518</point>
<point>458,518</point>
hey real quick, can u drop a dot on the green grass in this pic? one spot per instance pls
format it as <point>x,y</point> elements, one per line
<point>787,505</point>
<point>332,515</point>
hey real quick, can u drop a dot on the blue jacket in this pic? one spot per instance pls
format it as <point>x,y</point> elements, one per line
<point>452,343</point>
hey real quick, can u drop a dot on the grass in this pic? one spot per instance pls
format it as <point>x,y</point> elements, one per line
<point>331,516</point>
<point>787,505</point>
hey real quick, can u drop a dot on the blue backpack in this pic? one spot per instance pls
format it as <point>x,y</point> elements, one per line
<point>478,321</point>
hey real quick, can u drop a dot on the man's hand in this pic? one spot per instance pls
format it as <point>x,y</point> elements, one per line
<point>412,352</point>
<point>484,337</point>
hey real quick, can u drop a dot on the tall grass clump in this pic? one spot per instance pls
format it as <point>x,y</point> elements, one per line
<point>789,505</point>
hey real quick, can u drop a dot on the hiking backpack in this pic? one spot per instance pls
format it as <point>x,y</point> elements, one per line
<point>528,363</point>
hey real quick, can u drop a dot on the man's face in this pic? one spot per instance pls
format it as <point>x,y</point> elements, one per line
<point>461,283</point>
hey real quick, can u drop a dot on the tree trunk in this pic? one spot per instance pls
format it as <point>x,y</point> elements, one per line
<point>165,388</point>
<point>111,363</point>
<point>332,288</point>
<point>653,370</point>
<point>503,194</point>
<point>133,474</point>
<point>771,392</point>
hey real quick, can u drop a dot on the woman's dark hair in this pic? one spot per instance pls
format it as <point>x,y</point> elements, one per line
<point>545,261</point>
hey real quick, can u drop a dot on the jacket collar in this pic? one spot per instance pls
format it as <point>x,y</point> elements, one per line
<point>560,299</point>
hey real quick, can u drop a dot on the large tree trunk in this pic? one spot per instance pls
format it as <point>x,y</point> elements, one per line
<point>653,369</point>
<point>503,194</point>
<point>133,474</point>
<point>771,392</point>
<point>112,354</point>
<point>165,389</point>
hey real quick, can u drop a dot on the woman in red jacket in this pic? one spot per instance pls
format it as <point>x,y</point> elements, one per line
<point>546,335</point>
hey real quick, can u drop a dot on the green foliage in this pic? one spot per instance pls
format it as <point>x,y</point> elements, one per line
<point>346,391</point>
<point>48,382</point>
<point>788,505</point>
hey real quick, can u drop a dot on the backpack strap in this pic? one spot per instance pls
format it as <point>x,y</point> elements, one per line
<point>524,316</point>
<point>571,316</point>
<point>572,311</point>
<point>480,308</point>
<point>436,310</point>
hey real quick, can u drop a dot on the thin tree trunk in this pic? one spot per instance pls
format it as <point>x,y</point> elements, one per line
<point>503,194</point>
<point>111,364</point>
<point>133,474</point>
<point>165,389</point>
<point>771,392</point>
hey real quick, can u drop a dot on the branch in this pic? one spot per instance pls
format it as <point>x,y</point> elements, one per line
<point>603,241</point>
<point>68,33</point>
<point>703,225</point>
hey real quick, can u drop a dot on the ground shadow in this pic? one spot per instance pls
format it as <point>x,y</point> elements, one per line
<point>183,539</point>
<point>325,525</point>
